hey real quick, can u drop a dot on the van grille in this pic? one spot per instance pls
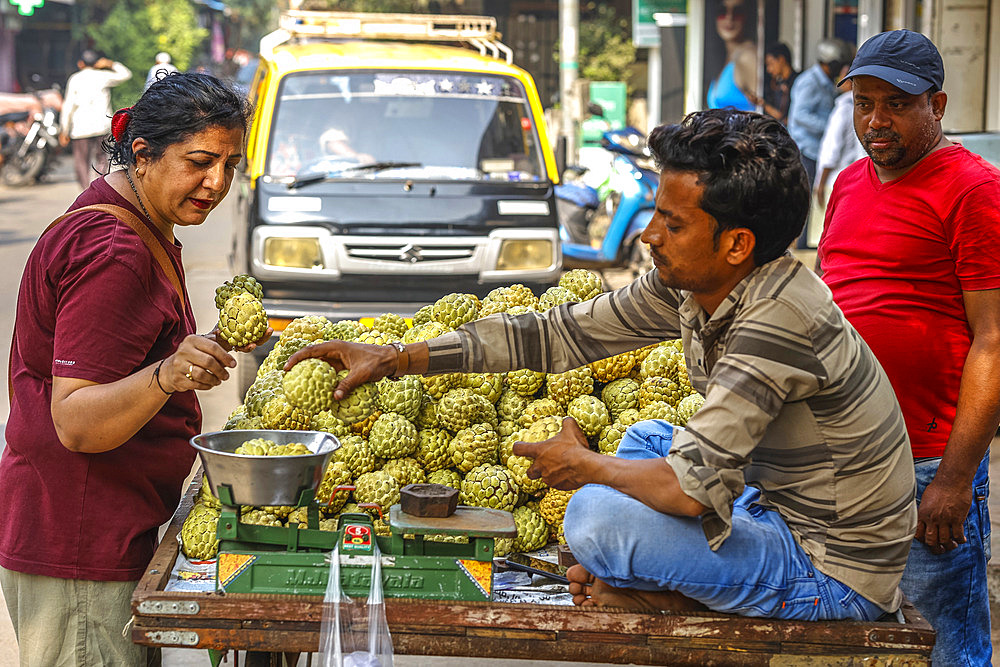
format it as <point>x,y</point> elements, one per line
<point>409,253</point>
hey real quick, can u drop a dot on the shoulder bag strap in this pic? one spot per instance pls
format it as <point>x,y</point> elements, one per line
<point>144,233</point>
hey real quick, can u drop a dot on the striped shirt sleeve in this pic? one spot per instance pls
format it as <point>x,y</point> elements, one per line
<point>562,338</point>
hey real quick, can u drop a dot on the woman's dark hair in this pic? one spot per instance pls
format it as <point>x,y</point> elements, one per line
<point>751,171</point>
<point>175,107</point>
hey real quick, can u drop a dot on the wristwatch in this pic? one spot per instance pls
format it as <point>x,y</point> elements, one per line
<point>402,360</point>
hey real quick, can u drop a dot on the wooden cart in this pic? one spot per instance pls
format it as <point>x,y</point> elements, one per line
<point>291,624</point>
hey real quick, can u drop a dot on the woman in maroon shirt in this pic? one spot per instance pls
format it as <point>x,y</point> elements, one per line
<point>104,360</point>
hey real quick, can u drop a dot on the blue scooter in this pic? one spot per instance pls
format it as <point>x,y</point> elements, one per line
<point>627,198</point>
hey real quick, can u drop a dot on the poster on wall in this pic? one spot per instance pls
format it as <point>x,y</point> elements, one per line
<point>736,33</point>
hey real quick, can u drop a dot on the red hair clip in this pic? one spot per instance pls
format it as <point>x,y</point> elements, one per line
<point>119,122</point>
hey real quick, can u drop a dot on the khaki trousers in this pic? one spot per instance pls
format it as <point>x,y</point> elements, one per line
<point>72,622</point>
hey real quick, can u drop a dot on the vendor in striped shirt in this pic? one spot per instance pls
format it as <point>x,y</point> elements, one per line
<point>790,493</point>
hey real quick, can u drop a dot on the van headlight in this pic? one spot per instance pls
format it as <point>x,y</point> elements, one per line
<point>295,252</point>
<point>524,255</point>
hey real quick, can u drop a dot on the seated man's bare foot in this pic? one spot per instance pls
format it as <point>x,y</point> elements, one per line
<point>587,591</point>
<point>580,582</point>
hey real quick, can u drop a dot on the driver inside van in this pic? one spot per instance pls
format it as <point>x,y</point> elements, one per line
<point>333,143</point>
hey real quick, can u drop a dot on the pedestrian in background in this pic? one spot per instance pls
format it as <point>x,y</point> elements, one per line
<point>160,64</point>
<point>86,112</point>
<point>778,82</point>
<point>812,97</point>
<point>104,366</point>
<point>840,146</point>
<point>911,252</point>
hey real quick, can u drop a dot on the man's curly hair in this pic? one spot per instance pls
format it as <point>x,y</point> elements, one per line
<point>751,171</point>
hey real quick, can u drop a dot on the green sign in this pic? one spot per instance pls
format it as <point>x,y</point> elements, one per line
<point>645,33</point>
<point>611,95</point>
<point>27,7</point>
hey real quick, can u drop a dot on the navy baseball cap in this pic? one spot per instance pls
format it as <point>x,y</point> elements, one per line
<point>904,58</point>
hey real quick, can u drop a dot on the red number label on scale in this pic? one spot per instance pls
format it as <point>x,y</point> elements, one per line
<point>357,537</point>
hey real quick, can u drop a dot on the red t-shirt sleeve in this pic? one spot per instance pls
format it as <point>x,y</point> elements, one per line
<point>975,237</point>
<point>105,322</point>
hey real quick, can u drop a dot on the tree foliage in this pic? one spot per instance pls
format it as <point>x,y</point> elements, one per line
<point>606,50</point>
<point>249,20</point>
<point>134,31</point>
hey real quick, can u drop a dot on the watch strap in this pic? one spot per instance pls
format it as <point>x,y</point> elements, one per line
<point>402,360</point>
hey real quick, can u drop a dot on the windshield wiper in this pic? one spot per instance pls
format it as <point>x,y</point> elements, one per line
<point>320,176</point>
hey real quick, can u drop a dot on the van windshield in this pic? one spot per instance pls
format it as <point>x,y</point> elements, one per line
<point>433,125</point>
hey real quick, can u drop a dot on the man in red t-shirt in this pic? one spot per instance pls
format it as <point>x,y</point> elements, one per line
<point>911,252</point>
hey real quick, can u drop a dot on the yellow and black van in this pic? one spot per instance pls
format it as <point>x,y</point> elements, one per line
<point>393,158</point>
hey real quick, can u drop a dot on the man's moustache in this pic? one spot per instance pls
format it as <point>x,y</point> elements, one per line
<point>881,136</point>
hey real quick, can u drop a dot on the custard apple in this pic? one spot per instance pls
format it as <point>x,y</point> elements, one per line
<point>391,323</point>
<point>689,405</point>
<point>474,446</point>
<point>309,327</point>
<point>355,452</point>
<point>620,395</point>
<point>447,476</point>
<point>532,531</point>
<point>564,387</point>
<point>525,381</point>
<point>489,485</point>
<point>242,320</point>
<point>393,436</point>
<point>590,413</point>
<point>582,283</point>
<point>556,296</point>
<point>199,533</point>
<point>309,385</point>
<point>402,396</point>
<point>239,284</point>
<point>454,310</point>
<point>358,405</point>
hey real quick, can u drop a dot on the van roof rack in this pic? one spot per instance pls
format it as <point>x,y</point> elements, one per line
<point>480,32</point>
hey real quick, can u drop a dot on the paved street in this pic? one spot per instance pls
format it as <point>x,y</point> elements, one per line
<point>24,213</point>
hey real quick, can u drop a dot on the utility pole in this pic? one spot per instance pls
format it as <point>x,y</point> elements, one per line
<point>569,47</point>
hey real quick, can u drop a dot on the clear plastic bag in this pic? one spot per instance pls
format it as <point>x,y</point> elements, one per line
<point>354,632</point>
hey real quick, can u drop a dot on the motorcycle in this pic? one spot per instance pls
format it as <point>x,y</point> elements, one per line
<point>29,141</point>
<point>599,227</point>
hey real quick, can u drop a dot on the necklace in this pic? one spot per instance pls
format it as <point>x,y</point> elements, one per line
<point>137,197</point>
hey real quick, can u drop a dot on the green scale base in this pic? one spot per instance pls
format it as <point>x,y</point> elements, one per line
<point>290,560</point>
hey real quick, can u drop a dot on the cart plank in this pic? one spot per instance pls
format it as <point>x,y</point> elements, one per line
<point>291,623</point>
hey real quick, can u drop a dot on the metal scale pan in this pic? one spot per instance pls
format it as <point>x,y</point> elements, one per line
<point>263,480</point>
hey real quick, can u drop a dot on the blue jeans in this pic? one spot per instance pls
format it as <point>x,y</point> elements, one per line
<point>759,570</point>
<point>950,589</point>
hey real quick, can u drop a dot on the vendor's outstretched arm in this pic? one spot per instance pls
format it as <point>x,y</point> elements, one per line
<point>565,462</point>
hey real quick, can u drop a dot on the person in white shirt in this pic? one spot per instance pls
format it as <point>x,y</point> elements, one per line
<point>160,64</point>
<point>86,112</point>
<point>838,149</point>
<point>840,146</point>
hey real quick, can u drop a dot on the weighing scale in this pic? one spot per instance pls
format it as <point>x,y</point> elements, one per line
<point>293,560</point>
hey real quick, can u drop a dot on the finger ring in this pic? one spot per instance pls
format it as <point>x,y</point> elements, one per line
<point>190,370</point>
